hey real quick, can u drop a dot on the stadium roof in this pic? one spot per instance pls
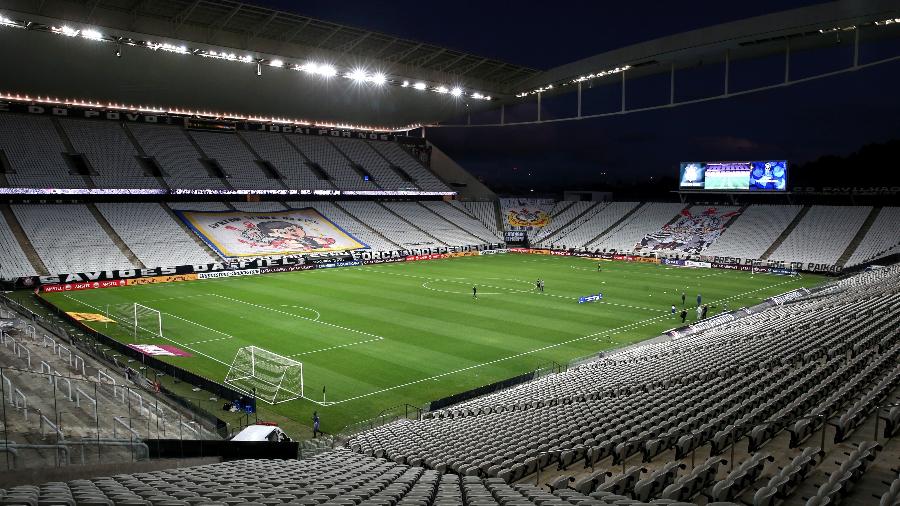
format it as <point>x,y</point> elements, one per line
<point>250,27</point>
<point>813,27</point>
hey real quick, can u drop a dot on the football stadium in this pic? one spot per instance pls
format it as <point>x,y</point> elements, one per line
<point>383,255</point>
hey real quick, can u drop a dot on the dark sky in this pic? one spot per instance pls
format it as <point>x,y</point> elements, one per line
<point>836,115</point>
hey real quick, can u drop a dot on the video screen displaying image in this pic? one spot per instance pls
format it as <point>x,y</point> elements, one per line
<point>768,175</point>
<point>727,176</point>
<point>771,175</point>
<point>692,175</point>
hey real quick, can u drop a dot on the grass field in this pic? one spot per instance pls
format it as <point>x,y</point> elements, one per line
<point>383,335</point>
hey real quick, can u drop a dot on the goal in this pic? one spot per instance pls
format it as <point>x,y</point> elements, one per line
<point>269,376</point>
<point>138,320</point>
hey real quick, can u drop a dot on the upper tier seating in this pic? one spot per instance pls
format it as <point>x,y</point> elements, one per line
<point>68,238</point>
<point>320,151</point>
<point>236,160</point>
<point>423,177</point>
<point>753,231</point>
<point>112,156</point>
<point>822,235</point>
<point>35,152</point>
<point>287,159</point>
<point>176,156</point>
<point>882,238</point>
<point>361,153</point>
<point>154,237</point>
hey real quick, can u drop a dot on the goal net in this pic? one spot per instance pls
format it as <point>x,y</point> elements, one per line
<point>269,376</point>
<point>138,320</point>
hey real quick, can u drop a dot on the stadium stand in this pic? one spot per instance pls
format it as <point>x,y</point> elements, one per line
<point>625,235</point>
<point>237,162</point>
<point>362,154</point>
<point>176,155</point>
<point>322,152</point>
<point>585,214</point>
<point>485,212</point>
<point>15,263</point>
<point>561,215</point>
<point>751,234</point>
<point>836,224</point>
<point>152,235</point>
<point>111,155</point>
<point>773,369</point>
<point>200,206</point>
<point>68,238</point>
<point>389,224</point>
<point>440,228</point>
<point>882,238</point>
<point>463,220</point>
<point>692,232</point>
<point>424,178</point>
<point>596,224</point>
<point>35,153</point>
<point>286,159</point>
<point>65,407</point>
<point>331,210</point>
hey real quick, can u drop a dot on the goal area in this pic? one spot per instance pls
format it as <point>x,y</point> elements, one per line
<point>268,376</point>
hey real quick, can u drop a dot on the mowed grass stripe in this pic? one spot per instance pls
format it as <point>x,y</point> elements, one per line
<point>427,334</point>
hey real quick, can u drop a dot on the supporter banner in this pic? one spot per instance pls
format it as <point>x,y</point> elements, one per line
<point>526,214</point>
<point>500,251</point>
<point>245,234</point>
<point>590,298</point>
<point>228,274</point>
<point>160,279</point>
<point>515,235</point>
<point>702,265</point>
<point>161,350</point>
<point>689,233</point>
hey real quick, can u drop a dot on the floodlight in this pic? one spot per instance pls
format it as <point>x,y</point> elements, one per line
<point>456,91</point>
<point>68,32</point>
<point>420,86</point>
<point>92,34</point>
<point>405,84</point>
<point>378,79</point>
<point>276,63</point>
<point>326,70</point>
<point>358,75</point>
<point>441,89</point>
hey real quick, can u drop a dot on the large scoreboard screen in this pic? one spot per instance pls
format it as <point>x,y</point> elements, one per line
<point>768,175</point>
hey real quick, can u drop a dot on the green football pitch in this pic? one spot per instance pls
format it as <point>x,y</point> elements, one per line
<point>383,335</point>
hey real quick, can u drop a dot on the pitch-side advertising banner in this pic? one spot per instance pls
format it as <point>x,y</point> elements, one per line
<point>243,234</point>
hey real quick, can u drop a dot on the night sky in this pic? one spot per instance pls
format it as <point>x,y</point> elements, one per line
<point>832,116</point>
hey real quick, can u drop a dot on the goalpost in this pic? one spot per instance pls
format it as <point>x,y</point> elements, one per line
<point>271,377</point>
<point>148,320</point>
<point>137,320</point>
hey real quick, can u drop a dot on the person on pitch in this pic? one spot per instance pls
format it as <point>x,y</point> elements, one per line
<point>474,292</point>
